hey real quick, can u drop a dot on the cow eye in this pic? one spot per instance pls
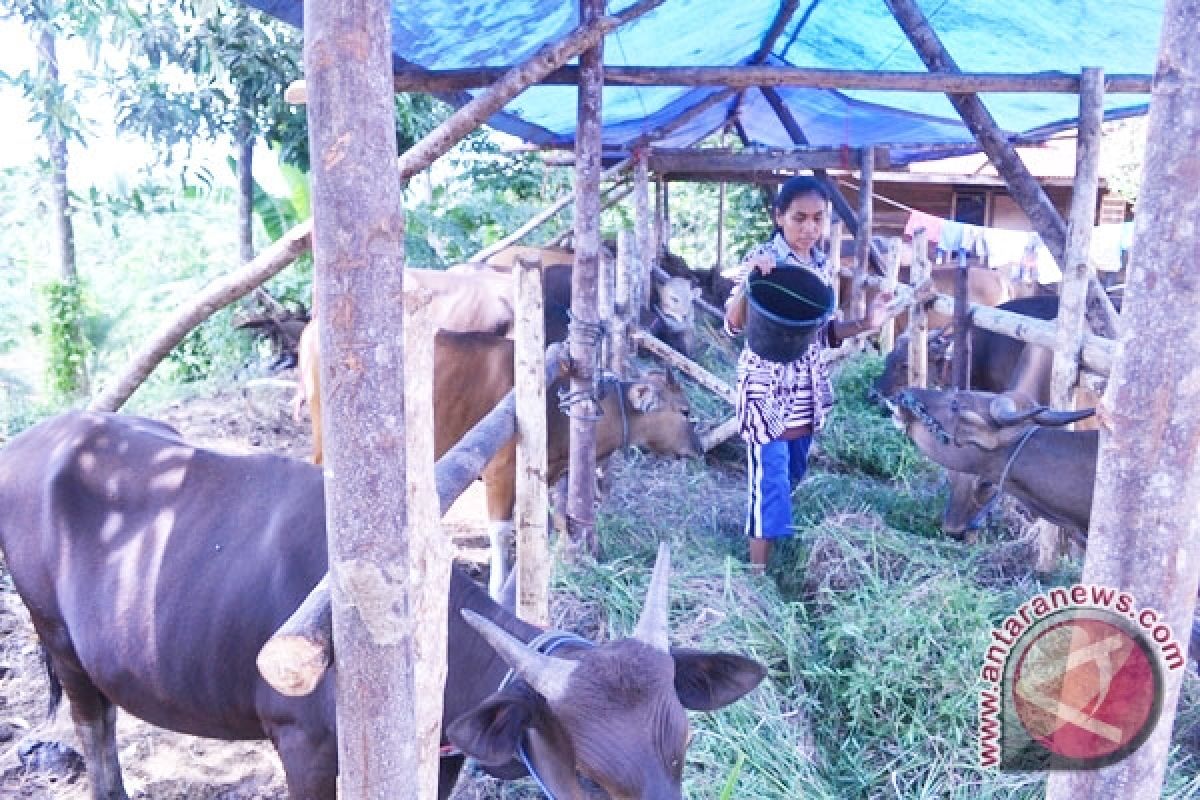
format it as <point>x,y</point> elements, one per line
<point>590,786</point>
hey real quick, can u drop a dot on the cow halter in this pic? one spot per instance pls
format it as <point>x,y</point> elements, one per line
<point>545,643</point>
<point>982,514</point>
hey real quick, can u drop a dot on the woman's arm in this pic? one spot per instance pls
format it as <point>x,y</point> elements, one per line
<point>840,330</point>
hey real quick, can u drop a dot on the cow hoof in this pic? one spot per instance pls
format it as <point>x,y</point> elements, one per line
<point>53,757</point>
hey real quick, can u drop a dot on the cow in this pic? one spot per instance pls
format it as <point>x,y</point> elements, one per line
<point>672,316</point>
<point>1010,442</point>
<point>154,571</point>
<point>474,371</point>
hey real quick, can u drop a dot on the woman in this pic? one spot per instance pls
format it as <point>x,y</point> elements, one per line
<point>781,406</point>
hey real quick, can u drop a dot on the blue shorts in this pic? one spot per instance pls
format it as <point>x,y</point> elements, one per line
<point>773,469</point>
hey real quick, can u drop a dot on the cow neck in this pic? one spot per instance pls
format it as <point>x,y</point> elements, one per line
<point>609,381</point>
<point>982,514</point>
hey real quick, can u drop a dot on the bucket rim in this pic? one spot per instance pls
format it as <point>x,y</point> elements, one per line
<point>767,314</point>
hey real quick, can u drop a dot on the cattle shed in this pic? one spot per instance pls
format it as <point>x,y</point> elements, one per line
<point>850,90</point>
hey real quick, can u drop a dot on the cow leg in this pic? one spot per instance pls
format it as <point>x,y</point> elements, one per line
<point>309,762</point>
<point>501,534</point>
<point>95,720</point>
<point>499,481</point>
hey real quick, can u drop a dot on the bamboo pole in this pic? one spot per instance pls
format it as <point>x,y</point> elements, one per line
<point>544,216</point>
<point>589,36</point>
<point>532,504</point>
<point>918,322</point>
<point>430,552</point>
<point>410,79</point>
<point>584,344</point>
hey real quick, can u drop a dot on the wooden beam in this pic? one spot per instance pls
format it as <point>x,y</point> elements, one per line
<point>715,163</point>
<point>683,119</point>
<point>918,322</point>
<point>720,434</point>
<point>643,230</point>
<point>584,344</point>
<point>411,79</point>
<point>862,235</point>
<point>699,374</point>
<point>1021,184</point>
<point>589,34</point>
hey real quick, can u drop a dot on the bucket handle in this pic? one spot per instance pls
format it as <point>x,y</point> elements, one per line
<point>794,295</point>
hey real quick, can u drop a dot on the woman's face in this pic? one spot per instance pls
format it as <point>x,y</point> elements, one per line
<point>802,222</point>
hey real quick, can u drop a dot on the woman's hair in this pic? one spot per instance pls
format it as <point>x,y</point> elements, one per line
<point>797,186</point>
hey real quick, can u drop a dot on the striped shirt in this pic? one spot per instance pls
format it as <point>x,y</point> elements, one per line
<point>773,398</point>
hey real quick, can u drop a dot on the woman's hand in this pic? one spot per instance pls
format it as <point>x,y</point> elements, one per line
<point>763,262</point>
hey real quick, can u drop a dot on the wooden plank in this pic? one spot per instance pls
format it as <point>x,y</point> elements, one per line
<point>643,228</point>
<point>411,79</point>
<point>891,261</point>
<point>699,374</point>
<point>715,162</point>
<point>430,552</point>
<point>532,495</point>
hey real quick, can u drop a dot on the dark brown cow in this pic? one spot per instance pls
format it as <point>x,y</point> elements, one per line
<point>474,371</point>
<point>154,572</point>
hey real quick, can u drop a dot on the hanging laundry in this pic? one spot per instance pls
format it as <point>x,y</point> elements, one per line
<point>1047,267</point>
<point>973,241</point>
<point>951,238</point>
<point>931,224</point>
<point>1005,247</point>
<point>1104,251</point>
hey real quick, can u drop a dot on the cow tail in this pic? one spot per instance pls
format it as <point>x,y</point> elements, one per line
<point>56,690</point>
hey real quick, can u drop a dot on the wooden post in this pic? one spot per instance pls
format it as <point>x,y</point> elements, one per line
<point>960,367</point>
<point>624,308</point>
<point>643,229</point>
<point>719,261</point>
<point>918,322</point>
<point>358,249</point>
<point>606,305</point>
<point>862,240</point>
<point>891,261</point>
<point>835,260</point>
<point>660,220</point>
<point>430,552</point>
<point>1072,306</point>
<point>532,495</point>
<point>1145,532</point>
<point>584,344</point>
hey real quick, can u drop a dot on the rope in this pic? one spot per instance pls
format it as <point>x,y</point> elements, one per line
<point>584,403</point>
<point>977,520</point>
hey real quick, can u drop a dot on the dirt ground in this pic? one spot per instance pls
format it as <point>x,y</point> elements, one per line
<point>39,756</point>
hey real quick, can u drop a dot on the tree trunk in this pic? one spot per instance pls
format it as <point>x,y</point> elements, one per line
<point>584,342</point>
<point>358,249</point>
<point>1145,533</point>
<point>60,200</point>
<point>245,176</point>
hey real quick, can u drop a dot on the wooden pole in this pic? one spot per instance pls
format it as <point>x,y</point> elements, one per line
<point>862,238</point>
<point>606,306</point>
<point>1145,533</point>
<point>624,309</point>
<point>918,322</point>
<point>589,35</point>
<point>657,244</point>
<point>753,75</point>
<point>960,367</point>
<point>887,333</point>
<point>542,217</point>
<point>583,341</point>
<point>430,552</point>
<point>835,258</point>
<point>719,261</point>
<point>1023,187</point>
<point>532,505</point>
<point>358,249</point>
<point>643,228</point>
<point>212,298</point>
<point>699,374</point>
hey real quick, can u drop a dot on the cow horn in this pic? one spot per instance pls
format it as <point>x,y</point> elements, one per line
<point>1003,411</point>
<point>1048,416</point>
<point>652,626</point>
<point>547,674</point>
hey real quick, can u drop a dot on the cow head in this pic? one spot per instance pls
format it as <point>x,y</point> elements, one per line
<point>895,367</point>
<point>603,721</point>
<point>657,416</point>
<point>965,431</point>
<point>676,310</point>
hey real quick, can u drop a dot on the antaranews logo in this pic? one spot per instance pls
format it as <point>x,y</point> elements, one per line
<point>1073,680</point>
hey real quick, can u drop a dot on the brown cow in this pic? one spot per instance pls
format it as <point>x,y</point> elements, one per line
<point>154,571</point>
<point>473,372</point>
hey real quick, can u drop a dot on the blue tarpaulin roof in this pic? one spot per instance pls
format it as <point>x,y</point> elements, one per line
<point>1021,36</point>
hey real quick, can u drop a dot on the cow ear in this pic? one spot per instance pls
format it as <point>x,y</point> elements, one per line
<point>707,681</point>
<point>492,730</point>
<point>643,397</point>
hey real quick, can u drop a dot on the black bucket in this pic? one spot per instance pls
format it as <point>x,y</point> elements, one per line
<point>785,311</point>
